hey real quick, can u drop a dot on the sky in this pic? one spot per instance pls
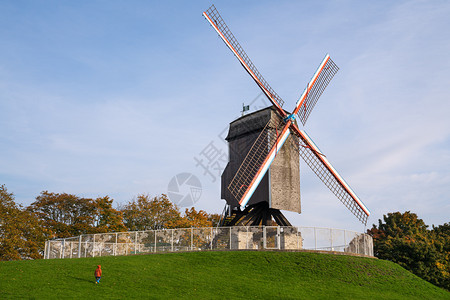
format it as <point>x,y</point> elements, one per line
<point>119,98</point>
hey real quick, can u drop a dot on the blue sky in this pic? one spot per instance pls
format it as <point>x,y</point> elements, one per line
<point>117,97</point>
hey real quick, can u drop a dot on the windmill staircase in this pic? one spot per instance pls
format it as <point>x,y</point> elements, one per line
<point>259,214</point>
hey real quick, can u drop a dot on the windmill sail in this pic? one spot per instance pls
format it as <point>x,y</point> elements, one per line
<point>269,142</point>
<point>325,171</point>
<point>216,21</point>
<point>315,88</point>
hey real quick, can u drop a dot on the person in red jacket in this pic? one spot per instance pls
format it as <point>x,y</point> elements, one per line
<point>98,274</point>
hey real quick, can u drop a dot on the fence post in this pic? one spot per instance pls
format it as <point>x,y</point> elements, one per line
<point>364,236</point>
<point>230,236</point>
<point>315,239</point>
<point>93,247</point>
<point>79,246</point>
<point>154,231</point>
<point>345,239</point>
<point>61,254</point>
<point>264,237</point>
<point>331,239</point>
<point>357,244</point>
<point>246,241</point>
<point>211,238</point>
<point>192,238</point>
<point>279,237</point>
<point>115,246</point>
<point>135,241</point>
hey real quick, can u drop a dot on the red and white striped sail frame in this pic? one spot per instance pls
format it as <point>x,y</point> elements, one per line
<point>333,171</point>
<point>265,165</point>
<point>302,98</point>
<point>246,66</point>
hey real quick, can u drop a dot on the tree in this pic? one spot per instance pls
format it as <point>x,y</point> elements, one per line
<point>192,218</point>
<point>67,215</point>
<point>21,233</point>
<point>146,213</point>
<point>107,218</point>
<point>63,214</point>
<point>441,235</point>
<point>214,219</point>
<point>405,240</point>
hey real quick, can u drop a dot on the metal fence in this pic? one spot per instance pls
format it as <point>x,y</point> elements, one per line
<point>210,238</point>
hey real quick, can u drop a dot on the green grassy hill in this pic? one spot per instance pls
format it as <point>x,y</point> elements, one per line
<point>215,275</point>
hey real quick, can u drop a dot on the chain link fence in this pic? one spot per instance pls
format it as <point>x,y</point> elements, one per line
<point>210,238</point>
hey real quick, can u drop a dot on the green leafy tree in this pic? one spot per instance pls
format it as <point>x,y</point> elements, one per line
<point>441,235</point>
<point>405,239</point>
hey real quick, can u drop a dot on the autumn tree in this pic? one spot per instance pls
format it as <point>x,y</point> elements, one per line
<point>107,218</point>
<point>68,215</point>
<point>214,219</point>
<point>192,218</point>
<point>21,234</point>
<point>147,213</point>
<point>63,214</point>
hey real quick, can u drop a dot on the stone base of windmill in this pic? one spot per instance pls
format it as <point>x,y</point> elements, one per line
<point>257,238</point>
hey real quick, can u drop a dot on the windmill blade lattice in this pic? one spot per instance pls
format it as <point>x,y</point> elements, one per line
<point>213,16</point>
<point>327,71</point>
<point>329,176</point>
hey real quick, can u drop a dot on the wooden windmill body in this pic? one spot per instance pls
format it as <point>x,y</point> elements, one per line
<point>279,189</point>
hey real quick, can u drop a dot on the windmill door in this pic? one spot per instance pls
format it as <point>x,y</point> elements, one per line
<point>271,236</point>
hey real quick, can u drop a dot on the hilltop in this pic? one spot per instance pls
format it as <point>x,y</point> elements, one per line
<point>216,275</point>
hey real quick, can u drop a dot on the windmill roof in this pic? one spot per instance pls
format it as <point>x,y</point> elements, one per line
<point>253,122</point>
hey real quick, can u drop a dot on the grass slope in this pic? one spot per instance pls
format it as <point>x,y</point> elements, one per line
<point>215,275</point>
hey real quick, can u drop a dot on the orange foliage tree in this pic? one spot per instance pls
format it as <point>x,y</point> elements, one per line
<point>150,213</point>
<point>147,213</point>
<point>106,217</point>
<point>192,218</point>
<point>21,232</point>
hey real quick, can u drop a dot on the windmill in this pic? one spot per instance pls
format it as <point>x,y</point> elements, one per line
<point>272,139</point>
